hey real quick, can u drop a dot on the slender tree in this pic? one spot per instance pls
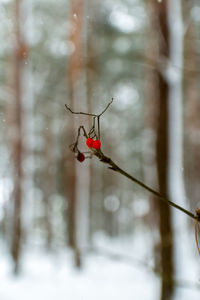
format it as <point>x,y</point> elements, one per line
<point>48,183</point>
<point>78,176</point>
<point>192,113</point>
<point>160,12</point>
<point>170,136</point>
<point>16,138</point>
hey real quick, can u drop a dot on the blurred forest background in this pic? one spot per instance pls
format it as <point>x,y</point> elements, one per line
<point>144,54</point>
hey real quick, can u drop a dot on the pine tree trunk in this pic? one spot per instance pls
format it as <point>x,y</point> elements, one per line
<point>17,142</point>
<point>48,184</point>
<point>79,173</point>
<point>182,252</point>
<point>166,231</point>
<point>192,114</point>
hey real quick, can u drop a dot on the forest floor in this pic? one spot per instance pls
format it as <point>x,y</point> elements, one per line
<point>104,276</point>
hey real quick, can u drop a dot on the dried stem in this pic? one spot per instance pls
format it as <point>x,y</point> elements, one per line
<point>88,114</point>
<point>80,112</point>
<point>105,108</point>
<point>117,169</point>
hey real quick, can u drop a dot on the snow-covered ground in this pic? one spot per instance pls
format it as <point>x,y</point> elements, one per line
<point>49,277</point>
<point>103,277</point>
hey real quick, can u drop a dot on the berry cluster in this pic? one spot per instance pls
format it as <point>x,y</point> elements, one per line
<point>95,144</point>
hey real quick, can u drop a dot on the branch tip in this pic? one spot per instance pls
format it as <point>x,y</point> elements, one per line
<point>89,114</point>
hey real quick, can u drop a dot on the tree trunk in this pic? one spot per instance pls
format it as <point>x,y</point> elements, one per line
<point>16,134</point>
<point>166,232</point>
<point>192,114</point>
<point>79,173</point>
<point>48,183</point>
<point>182,252</point>
<point>162,146</point>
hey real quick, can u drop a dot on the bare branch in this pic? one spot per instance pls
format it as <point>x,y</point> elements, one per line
<point>88,114</point>
<point>80,113</point>
<point>106,108</point>
<point>117,169</point>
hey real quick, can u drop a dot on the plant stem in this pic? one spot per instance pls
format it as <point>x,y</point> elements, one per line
<point>117,169</point>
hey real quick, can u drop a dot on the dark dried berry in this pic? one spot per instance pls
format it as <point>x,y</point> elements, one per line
<point>80,157</point>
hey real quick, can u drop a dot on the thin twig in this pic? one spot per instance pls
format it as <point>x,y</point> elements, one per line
<point>117,169</point>
<point>80,112</point>
<point>89,114</point>
<point>98,126</point>
<point>105,108</point>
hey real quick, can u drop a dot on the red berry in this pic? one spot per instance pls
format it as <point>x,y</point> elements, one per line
<point>80,157</point>
<point>96,144</point>
<point>89,142</point>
